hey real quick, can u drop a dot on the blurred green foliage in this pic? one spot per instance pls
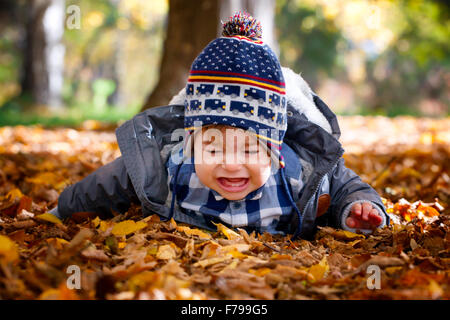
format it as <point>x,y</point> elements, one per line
<point>308,41</point>
<point>365,57</point>
<point>110,66</point>
<point>370,57</point>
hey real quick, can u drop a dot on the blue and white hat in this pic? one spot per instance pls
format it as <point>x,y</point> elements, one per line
<point>237,81</point>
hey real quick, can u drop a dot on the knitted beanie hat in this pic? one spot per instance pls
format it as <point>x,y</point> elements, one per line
<point>237,81</point>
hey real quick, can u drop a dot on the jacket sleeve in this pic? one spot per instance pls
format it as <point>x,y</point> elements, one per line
<point>109,187</point>
<point>347,188</point>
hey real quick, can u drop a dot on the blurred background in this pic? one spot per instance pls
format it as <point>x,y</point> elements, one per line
<point>65,61</point>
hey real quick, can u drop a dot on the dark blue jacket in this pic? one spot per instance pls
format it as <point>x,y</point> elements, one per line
<point>145,141</point>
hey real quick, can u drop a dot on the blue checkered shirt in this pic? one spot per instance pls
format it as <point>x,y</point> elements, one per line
<point>265,209</point>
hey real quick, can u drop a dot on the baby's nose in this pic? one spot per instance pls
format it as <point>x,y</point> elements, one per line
<point>232,162</point>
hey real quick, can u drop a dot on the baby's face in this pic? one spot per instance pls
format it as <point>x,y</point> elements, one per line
<point>230,161</point>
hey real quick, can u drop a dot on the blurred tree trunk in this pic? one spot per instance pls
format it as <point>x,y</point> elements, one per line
<point>44,52</point>
<point>191,26</point>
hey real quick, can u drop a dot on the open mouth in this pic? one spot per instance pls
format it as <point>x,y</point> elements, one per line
<point>233,184</point>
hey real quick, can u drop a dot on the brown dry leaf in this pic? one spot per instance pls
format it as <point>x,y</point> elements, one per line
<point>167,252</point>
<point>407,163</point>
<point>94,254</point>
<point>211,261</point>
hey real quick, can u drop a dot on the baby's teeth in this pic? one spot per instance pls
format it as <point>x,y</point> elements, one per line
<point>236,184</point>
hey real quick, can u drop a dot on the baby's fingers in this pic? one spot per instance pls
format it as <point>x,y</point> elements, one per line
<point>375,218</point>
<point>366,209</point>
<point>356,209</point>
<point>351,222</point>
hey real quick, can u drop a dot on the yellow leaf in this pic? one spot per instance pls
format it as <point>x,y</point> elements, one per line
<point>152,251</point>
<point>231,266</point>
<point>96,222</point>
<point>348,234</point>
<point>435,289</point>
<point>143,279</point>
<point>277,256</point>
<point>49,218</point>
<point>173,223</point>
<point>196,232</point>
<point>353,243</point>
<point>103,226</point>
<point>14,194</point>
<point>8,250</point>
<point>121,245</point>
<point>319,270</point>
<point>230,234</point>
<point>236,254</point>
<point>166,252</point>
<point>57,242</point>
<point>45,178</point>
<point>126,227</point>
<point>260,272</point>
<point>392,270</point>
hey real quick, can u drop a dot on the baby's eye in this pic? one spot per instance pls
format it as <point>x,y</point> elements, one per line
<point>213,151</point>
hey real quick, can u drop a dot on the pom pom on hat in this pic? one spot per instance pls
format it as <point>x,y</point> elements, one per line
<point>237,81</point>
<point>242,24</point>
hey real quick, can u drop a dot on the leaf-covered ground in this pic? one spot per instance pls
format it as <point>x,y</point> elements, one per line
<point>127,257</point>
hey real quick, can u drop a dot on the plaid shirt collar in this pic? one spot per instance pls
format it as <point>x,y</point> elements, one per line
<point>263,208</point>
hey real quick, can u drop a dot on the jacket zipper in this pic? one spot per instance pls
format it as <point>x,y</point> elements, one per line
<point>341,152</point>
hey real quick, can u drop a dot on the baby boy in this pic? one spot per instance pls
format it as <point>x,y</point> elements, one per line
<point>259,151</point>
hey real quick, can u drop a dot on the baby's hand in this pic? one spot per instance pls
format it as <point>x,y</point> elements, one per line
<point>363,216</point>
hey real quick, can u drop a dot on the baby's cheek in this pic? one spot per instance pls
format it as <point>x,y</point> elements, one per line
<point>204,173</point>
<point>261,175</point>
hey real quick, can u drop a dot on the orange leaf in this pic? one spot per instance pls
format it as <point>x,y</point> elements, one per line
<point>260,272</point>
<point>230,234</point>
<point>196,232</point>
<point>25,203</point>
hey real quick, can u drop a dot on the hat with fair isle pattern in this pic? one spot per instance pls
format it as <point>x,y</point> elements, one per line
<point>237,81</point>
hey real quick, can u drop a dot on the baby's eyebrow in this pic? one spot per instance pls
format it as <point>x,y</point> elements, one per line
<point>211,141</point>
<point>250,141</point>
